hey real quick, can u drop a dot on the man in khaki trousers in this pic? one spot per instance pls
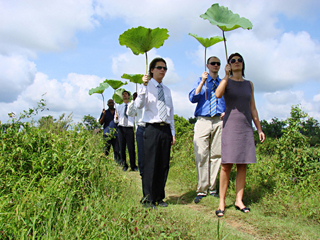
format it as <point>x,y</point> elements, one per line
<point>207,131</point>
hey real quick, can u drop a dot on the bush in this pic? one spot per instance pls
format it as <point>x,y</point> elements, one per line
<point>49,177</point>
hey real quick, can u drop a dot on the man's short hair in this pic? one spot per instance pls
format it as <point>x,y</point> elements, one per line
<point>126,92</point>
<point>212,57</point>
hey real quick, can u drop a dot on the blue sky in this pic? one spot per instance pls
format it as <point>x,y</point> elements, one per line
<point>65,47</point>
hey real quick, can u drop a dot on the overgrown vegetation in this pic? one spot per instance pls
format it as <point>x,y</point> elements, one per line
<point>56,183</point>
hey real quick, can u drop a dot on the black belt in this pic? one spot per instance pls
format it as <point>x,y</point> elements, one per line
<point>161,124</point>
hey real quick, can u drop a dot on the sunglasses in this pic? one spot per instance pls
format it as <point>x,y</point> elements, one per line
<point>240,60</point>
<point>215,63</point>
<point>160,67</point>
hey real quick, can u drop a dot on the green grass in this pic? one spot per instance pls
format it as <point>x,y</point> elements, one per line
<point>57,184</point>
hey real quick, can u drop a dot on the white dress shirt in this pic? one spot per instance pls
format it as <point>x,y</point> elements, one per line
<point>133,111</point>
<point>120,111</point>
<point>148,98</point>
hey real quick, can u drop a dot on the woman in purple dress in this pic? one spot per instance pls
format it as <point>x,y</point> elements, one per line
<point>237,141</point>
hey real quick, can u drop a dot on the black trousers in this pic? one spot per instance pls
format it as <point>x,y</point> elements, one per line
<point>157,145</point>
<point>126,138</point>
<point>115,145</point>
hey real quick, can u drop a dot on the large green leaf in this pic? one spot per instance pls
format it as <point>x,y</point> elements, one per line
<point>207,42</point>
<point>117,96</point>
<point>115,84</point>
<point>141,40</point>
<point>135,78</point>
<point>225,19</point>
<point>100,89</point>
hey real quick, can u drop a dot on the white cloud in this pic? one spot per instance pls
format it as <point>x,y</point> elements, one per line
<point>279,103</point>
<point>276,59</point>
<point>272,64</point>
<point>132,64</point>
<point>43,25</point>
<point>68,96</point>
<point>17,73</point>
<point>182,105</point>
<point>316,98</point>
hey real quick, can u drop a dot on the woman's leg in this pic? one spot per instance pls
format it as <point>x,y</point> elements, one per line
<point>240,182</point>
<point>224,182</point>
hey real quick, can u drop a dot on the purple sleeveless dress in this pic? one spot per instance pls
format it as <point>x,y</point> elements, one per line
<point>237,141</point>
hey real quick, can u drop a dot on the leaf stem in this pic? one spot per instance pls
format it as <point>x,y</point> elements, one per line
<point>146,62</point>
<point>104,106</point>
<point>205,57</point>
<point>225,45</point>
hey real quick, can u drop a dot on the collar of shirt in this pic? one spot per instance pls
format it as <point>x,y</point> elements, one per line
<point>155,83</point>
<point>211,80</point>
<point>202,108</point>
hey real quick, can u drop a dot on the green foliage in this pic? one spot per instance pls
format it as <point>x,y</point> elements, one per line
<point>225,19</point>
<point>90,122</point>
<point>141,40</point>
<point>41,106</point>
<point>274,128</point>
<point>311,129</point>
<point>117,96</point>
<point>100,89</point>
<point>182,154</point>
<point>182,126</point>
<point>115,84</point>
<point>192,120</point>
<point>207,42</point>
<point>135,78</point>
<point>48,122</point>
<point>57,184</point>
<point>290,165</point>
<point>50,174</point>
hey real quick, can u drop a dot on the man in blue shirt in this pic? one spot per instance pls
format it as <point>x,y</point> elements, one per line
<point>207,131</point>
<point>110,133</point>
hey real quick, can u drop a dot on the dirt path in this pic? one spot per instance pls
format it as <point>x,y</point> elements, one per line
<point>232,220</point>
<point>236,223</point>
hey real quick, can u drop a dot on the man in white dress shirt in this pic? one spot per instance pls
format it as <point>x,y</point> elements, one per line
<point>159,133</point>
<point>126,135</point>
<point>137,113</point>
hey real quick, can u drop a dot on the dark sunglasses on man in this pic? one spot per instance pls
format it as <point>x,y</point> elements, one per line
<point>215,63</point>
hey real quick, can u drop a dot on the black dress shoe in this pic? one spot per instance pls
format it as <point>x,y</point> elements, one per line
<point>198,198</point>
<point>163,204</point>
<point>125,168</point>
<point>135,169</point>
<point>149,205</point>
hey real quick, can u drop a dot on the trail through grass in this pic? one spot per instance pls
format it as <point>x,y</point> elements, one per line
<point>203,223</point>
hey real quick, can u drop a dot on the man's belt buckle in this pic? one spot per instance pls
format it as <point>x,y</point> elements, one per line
<point>162,124</point>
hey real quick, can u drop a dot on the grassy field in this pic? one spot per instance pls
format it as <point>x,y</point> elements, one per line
<point>57,184</point>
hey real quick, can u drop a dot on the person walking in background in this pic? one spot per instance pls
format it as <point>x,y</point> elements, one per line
<point>110,133</point>
<point>137,113</point>
<point>159,134</point>
<point>207,130</point>
<point>126,135</point>
<point>237,143</point>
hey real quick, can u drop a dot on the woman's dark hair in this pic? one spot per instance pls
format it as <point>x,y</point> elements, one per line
<point>153,64</point>
<point>238,55</point>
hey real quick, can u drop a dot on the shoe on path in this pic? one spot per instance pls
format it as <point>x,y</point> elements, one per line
<point>198,198</point>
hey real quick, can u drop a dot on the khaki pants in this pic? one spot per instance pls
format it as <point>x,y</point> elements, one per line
<point>207,151</point>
